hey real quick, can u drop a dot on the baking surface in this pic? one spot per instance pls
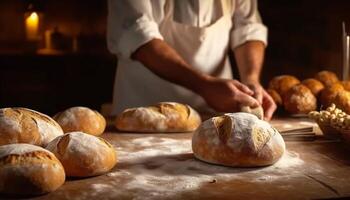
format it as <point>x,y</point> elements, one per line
<point>162,166</point>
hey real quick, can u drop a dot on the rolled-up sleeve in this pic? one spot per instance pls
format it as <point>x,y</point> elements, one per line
<point>247,24</point>
<point>130,25</point>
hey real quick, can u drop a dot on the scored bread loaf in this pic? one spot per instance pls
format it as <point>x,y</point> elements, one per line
<point>26,169</point>
<point>22,125</point>
<point>162,117</point>
<point>81,119</point>
<point>83,155</point>
<point>237,140</point>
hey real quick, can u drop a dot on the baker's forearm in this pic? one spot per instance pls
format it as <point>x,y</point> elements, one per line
<point>165,62</point>
<point>250,58</point>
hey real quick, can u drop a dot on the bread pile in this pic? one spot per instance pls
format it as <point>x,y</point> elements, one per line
<point>301,97</point>
<point>238,140</point>
<point>26,168</point>
<point>162,117</point>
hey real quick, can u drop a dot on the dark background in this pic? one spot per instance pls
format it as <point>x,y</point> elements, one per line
<point>304,38</point>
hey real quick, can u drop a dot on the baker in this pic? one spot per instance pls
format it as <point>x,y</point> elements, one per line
<point>178,51</point>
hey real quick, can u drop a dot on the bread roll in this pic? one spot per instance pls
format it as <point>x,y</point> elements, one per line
<point>237,140</point>
<point>26,169</point>
<point>283,83</point>
<point>328,94</point>
<point>83,155</point>
<point>342,101</point>
<point>346,85</point>
<point>81,119</point>
<point>22,125</point>
<point>162,117</point>
<point>299,100</point>
<point>314,85</point>
<point>275,96</point>
<point>328,78</point>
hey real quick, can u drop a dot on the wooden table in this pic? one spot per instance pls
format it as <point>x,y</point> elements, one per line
<point>161,166</point>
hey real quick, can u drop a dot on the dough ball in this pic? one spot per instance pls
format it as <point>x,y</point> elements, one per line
<point>81,119</point>
<point>342,101</point>
<point>258,111</point>
<point>314,85</point>
<point>299,100</point>
<point>283,83</point>
<point>237,140</point>
<point>328,78</point>
<point>83,155</point>
<point>22,125</point>
<point>162,117</point>
<point>26,169</point>
<point>328,94</point>
<point>346,85</point>
<point>275,96</point>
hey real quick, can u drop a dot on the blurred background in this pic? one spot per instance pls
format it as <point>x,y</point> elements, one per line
<point>53,54</point>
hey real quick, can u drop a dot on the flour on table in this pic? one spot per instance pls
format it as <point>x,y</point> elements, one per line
<point>154,167</point>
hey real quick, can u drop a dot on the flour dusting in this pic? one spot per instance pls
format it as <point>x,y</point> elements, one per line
<point>152,167</point>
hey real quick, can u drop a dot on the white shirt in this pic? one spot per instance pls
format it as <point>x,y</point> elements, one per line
<point>132,23</point>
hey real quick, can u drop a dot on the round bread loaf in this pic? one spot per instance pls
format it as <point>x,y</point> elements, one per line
<point>237,140</point>
<point>328,94</point>
<point>328,78</point>
<point>26,169</point>
<point>275,96</point>
<point>314,85</point>
<point>163,117</point>
<point>281,84</point>
<point>346,85</point>
<point>81,119</point>
<point>22,125</point>
<point>342,101</point>
<point>299,100</point>
<point>83,155</point>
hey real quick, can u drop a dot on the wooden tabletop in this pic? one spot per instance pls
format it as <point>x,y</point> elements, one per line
<point>162,166</point>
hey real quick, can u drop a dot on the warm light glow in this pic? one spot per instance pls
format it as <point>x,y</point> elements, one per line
<point>32,26</point>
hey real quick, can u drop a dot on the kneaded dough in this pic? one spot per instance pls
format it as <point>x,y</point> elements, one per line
<point>257,111</point>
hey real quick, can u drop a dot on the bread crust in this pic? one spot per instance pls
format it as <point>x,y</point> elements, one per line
<point>314,85</point>
<point>299,100</point>
<point>281,84</point>
<point>162,117</point>
<point>29,170</point>
<point>83,155</point>
<point>237,140</point>
<point>328,78</point>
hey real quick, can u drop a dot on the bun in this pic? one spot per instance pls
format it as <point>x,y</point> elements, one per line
<point>162,117</point>
<point>275,96</point>
<point>299,100</point>
<point>22,125</point>
<point>281,84</point>
<point>342,101</point>
<point>81,119</point>
<point>237,140</point>
<point>314,85</point>
<point>83,155</point>
<point>29,170</point>
<point>328,78</point>
<point>328,94</point>
<point>346,85</point>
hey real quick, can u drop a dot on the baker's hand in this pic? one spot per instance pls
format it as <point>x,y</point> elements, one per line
<point>226,95</point>
<point>264,99</point>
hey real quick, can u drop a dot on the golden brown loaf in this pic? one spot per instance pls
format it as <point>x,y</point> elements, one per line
<point>162,117</point>
<point>83,155</point>
<point>281,84</point>
<point>328,94</point>
<point>81,119</point>
<point>328,78</point>
<point>346,85</point>
<point>299,100</point>
<point>314,85</point>
<point>275,96</point>
<point>22,125</point>
<point>26,169</point>
<point>342,101</point>
<point>237,140</point>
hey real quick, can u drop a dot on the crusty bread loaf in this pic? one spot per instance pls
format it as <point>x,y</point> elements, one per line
<point>22,125</point>
<point>299,100</point>
<point>81,119</point>
<point>281,84</point>
<point>26,169</point>
<point>314,85</point>
<point>342,101</point>
<point>163,117</point>
<point>328,94</point>
<point>328,78</point>
<point>238,140</point>
<point>83,155</point>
